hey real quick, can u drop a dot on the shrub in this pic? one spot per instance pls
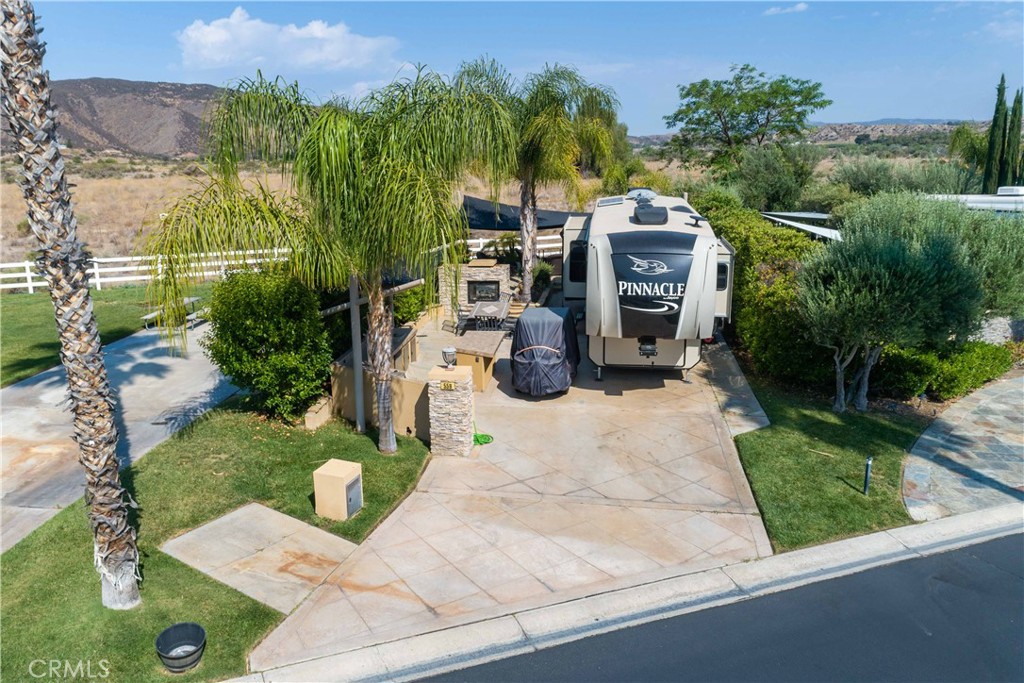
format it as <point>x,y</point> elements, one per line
<point>267,335</point>
<point>969,367</point>
<point>871,175</point>
<point>542,272</point>
<point>772,178</point>
<point>905,373</point>
<point>936,177</point>
<point>615,181</point>
<point>409,304</point>
<point>506,249</point>
<point>865,175</point>
<point>619,177</point>
<point>656,180</point>
<point>825,197</point>
<point>708,199</point>
<point>1016,349</point>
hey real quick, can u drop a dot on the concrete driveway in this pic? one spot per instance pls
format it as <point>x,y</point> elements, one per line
<point>157,393</point>
<point>615,483</point>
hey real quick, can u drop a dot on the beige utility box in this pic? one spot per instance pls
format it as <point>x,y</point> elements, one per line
<point>338,489</point>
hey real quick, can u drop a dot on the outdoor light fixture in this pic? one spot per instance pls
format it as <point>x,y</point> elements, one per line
<point>448,355</point>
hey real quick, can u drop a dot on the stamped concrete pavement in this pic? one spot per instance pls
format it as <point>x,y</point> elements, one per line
<point>972,456</point>
<point>157,393</point>
<point>613,484</point>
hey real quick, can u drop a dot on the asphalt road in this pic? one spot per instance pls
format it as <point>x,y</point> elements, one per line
<point>958,616</point>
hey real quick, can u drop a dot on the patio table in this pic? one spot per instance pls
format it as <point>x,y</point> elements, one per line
<point>489,315</point>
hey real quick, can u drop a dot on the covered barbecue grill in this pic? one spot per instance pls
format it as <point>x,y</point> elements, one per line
<point>545,351</point>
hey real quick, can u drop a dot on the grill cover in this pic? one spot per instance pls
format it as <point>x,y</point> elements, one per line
<point>545,351</point>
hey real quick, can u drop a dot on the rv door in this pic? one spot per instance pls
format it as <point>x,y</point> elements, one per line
<point>723,281</point>
<point>574,259</point>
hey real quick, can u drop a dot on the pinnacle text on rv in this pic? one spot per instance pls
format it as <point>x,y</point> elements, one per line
<point>662,289</point>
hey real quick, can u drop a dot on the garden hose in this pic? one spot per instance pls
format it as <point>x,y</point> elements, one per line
<point>481,439</point>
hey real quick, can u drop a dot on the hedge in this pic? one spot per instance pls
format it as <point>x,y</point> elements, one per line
<point>764,295</point>
<point>905,373</point>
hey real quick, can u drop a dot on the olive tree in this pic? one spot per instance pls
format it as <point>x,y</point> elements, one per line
<point>873,288</point>
<point>994,243</point>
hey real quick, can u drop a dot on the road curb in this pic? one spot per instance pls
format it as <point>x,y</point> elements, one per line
<point>538,628</point>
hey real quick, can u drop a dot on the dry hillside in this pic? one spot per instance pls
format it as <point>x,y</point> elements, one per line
<point>134,117</point>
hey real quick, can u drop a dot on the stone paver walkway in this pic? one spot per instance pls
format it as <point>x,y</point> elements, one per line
<point>740,408</point>
<point>265,554</point>
<point>157,394</point>
<point>613,484</point>
<point>972,456</point>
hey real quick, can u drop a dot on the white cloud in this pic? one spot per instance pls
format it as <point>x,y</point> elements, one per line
<point>798,7</point>
<point>1004,30</point>
<point>241,40</point>
<point>1007,25</point>
<point>360,89</point>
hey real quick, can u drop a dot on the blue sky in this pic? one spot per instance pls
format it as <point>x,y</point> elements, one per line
<point>886,59</point>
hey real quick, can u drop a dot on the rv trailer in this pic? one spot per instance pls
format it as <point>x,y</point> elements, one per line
<point>652,277</point>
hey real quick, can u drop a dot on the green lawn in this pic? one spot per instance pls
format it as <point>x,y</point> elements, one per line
<point>28,335</point>
<point>807,469</point>
<point>51,602</point>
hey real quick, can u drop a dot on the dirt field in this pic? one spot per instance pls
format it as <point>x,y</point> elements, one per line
<point>114,211</point>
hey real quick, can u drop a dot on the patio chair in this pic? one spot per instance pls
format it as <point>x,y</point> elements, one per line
<point>459,325</point>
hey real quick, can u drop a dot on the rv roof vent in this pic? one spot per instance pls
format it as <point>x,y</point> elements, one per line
<point>1010,191</point>
<point>645,214</point>
<point>610,201</point>
<point>641,193</point>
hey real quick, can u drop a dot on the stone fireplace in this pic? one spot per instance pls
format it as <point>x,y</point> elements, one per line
<point>479,280</point>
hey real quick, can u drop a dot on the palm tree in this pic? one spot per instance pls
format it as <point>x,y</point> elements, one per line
<point>374,192</point>
<point>556,113</point>
<point>63,262</point>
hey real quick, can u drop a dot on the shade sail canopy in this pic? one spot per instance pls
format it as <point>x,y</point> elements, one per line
<point>481,215</point>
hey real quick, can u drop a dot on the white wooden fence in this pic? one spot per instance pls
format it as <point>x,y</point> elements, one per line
<point>121,269</point>
<point>547,245</point>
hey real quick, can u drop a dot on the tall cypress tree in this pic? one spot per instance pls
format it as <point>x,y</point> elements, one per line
<point>996,141</point>
<point>1011,154</point>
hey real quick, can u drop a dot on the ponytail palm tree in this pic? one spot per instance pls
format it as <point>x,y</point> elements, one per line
<point>374,191</point>
<point>63,262</point>
<point>555,114</point>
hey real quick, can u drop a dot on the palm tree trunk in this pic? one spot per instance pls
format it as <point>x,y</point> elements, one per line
<point>63,262</point>
<point>528,233</point>
<point>380,324</point>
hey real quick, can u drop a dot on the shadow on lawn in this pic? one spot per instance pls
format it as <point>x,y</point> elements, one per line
<point>868,433</point>
<point>37,358</point>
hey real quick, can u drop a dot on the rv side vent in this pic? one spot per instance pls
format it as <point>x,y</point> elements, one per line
<point>645,214</point>
<point>610,201</point>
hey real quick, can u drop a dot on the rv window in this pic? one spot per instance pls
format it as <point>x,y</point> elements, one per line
<point>578,261</point>
<point>723,277</point>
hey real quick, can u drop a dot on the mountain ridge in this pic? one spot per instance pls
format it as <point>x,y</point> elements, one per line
<point>165,119</point>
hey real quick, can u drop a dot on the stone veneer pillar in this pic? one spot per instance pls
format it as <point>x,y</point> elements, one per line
<point>450,393</point>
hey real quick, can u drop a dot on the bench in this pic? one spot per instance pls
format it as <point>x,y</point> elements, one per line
<point>191,318</point>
